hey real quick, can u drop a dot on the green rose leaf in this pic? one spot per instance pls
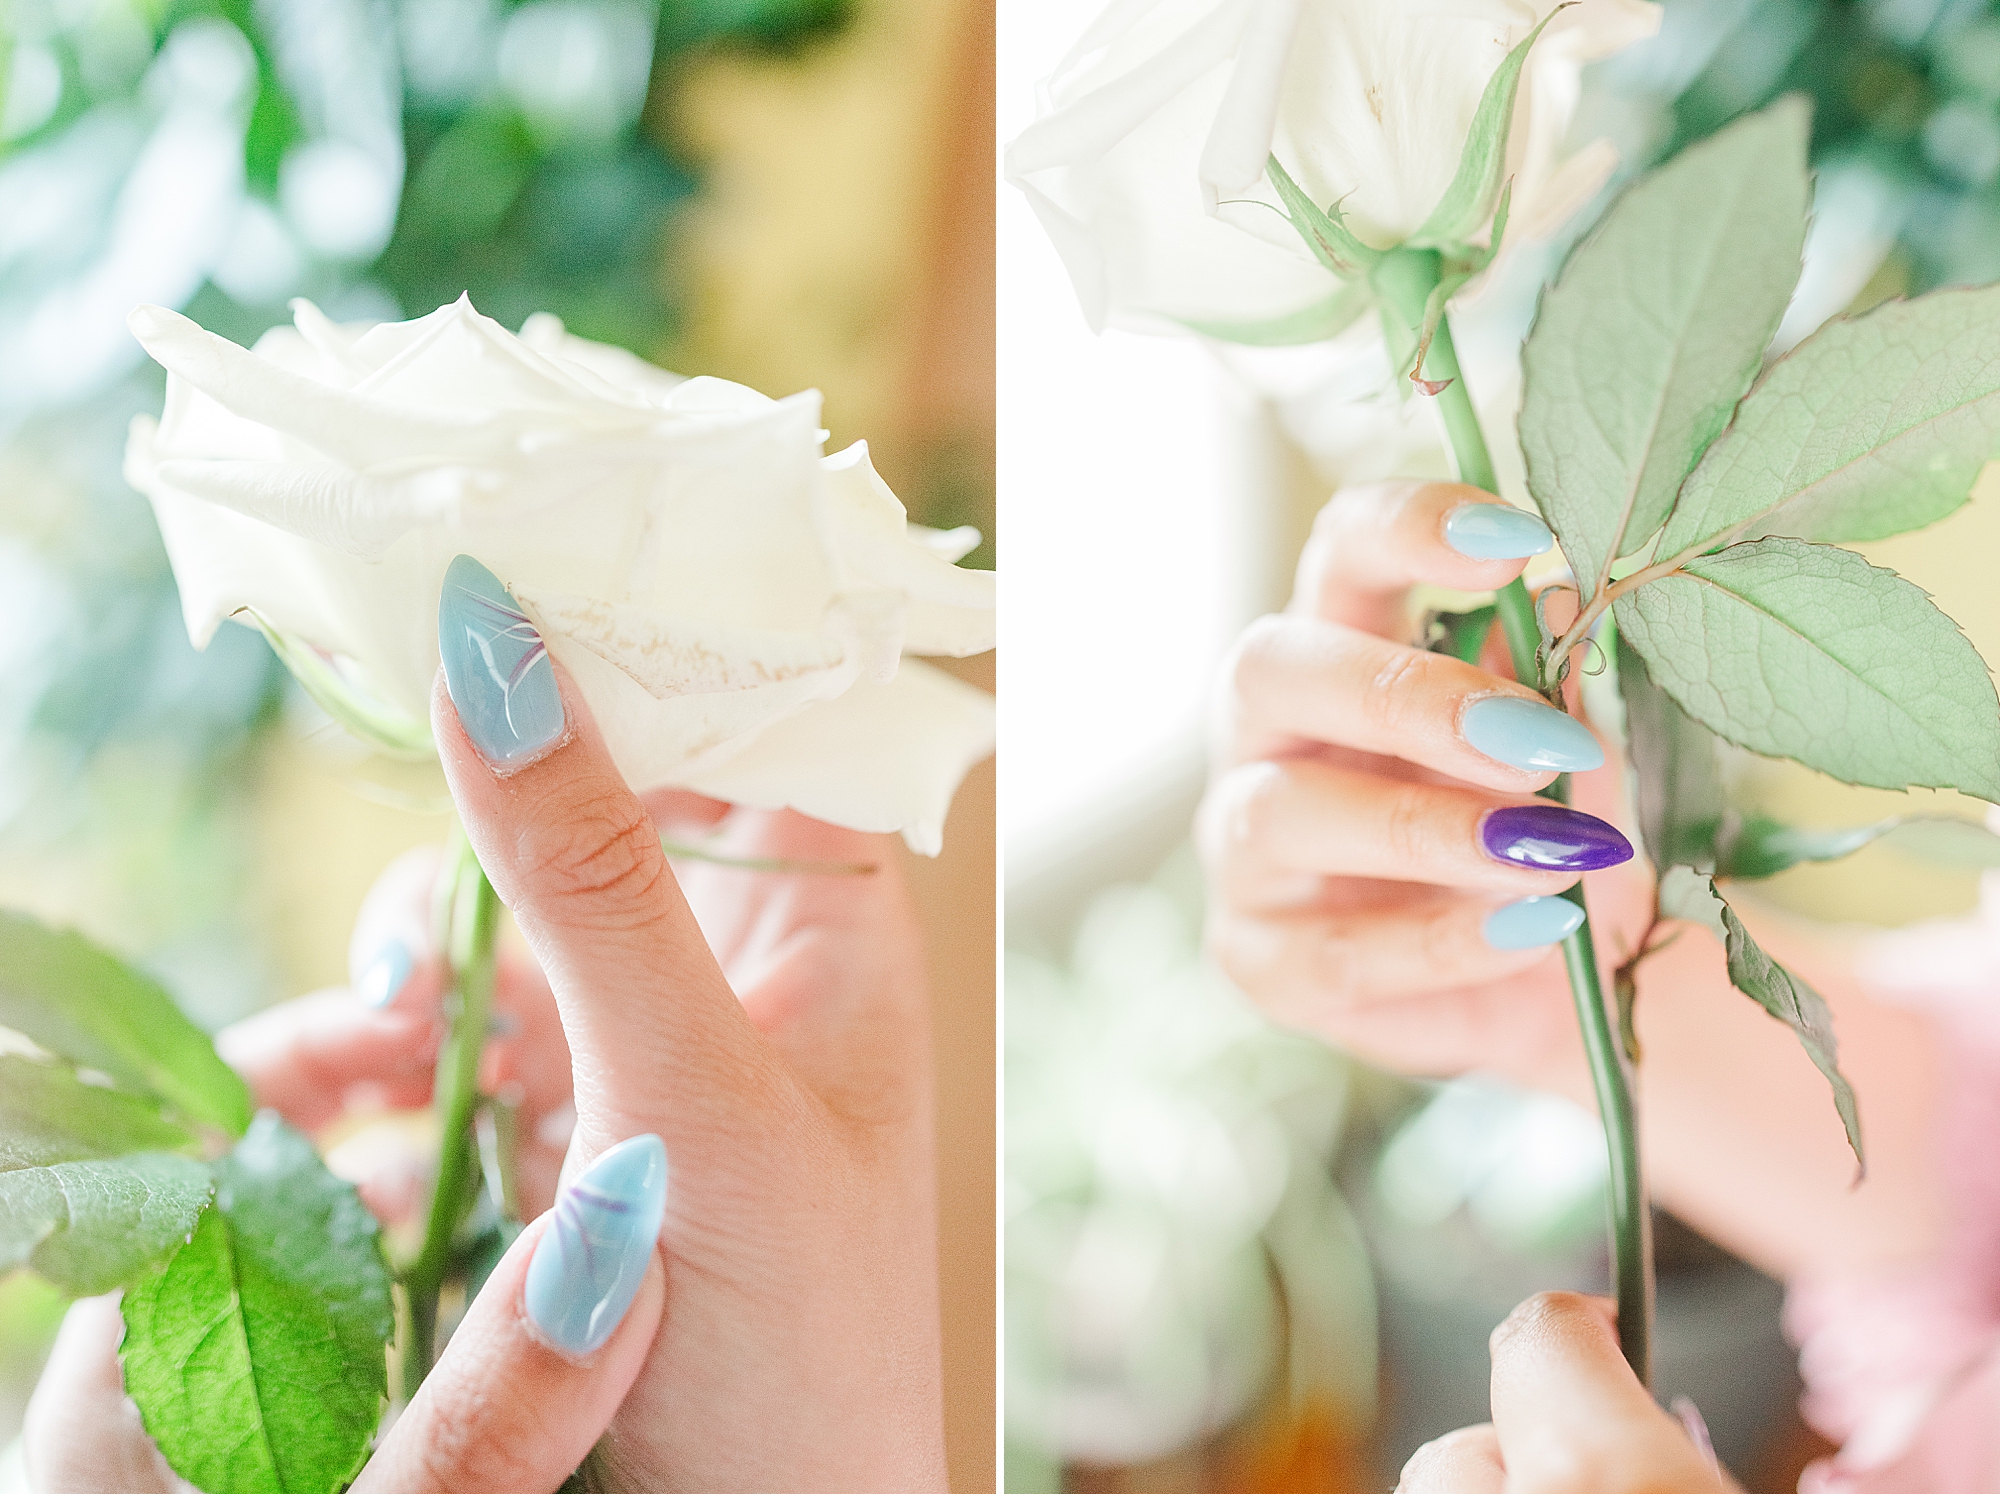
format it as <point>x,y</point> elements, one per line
<point>257,1356</point>
<point>1809,652</point>
<point>1655,329</point>
<point>48,1114</point>
<point>1689,895</point>
<point>86,1005</point>
<point>1679,783</point>
<point>1482,163</point>
<point>1314,323</point>
<point>92,1226</point>
<point>1868,428</point>
<point>90,1193</point>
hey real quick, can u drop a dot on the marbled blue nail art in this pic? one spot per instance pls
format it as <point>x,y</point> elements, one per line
<point>589,1262</point>
<point>496,667</point>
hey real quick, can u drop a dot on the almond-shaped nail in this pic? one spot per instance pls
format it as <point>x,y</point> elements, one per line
<point>1496,531</point>
<point>496,667</point>
<point>1530,734</point>
<point>589,1263</point>
<point>386,975</point>
<point>1532,923</point>
<point>1550,837</point>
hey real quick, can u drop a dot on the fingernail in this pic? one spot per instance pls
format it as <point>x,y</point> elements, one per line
<point>1530,734</point>
<point>496,667</point>
<point>588,1264</point>
<point>1549,837</point>
<point>1532,923</point>
<point>1496,531</point>
<point>385,976</point>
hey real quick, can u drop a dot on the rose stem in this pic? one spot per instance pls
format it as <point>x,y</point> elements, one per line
<point>470,920</point>
<point>1404,279</point>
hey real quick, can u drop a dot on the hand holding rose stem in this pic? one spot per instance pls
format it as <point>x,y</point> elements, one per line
<point>1405,279</point>
<point>468,923</point>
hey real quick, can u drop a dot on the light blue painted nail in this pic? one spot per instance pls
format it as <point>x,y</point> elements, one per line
<point>1528,734</point>
<point>588,1264</point>
<point>385,976</point>
<point>495,667</point>
<point>1496,531</point>
<point>1532,922</point>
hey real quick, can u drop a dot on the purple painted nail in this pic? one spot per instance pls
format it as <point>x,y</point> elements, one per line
<point>1549,837</point>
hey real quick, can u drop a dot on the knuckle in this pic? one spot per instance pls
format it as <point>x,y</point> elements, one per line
<point>1253,653</point>
<point>1256,803</point>
<point>600,853</point>
<point>1396,692</point>
<point>1340,972</point>
<point>1409,825</point>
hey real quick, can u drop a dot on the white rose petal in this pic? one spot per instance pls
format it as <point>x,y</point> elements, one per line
<point>1146,163</point>
<point>881,757</point>
<point>733,604</point>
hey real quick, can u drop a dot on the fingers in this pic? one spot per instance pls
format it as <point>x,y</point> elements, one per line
<point>306,1058</point>
<point>390,956</point>
<point>548,1351</point>
<point>81,1433</point>
<point>1370,544</point>
<point>1463,1462</point>
<point>1271,828</point>
<point>1307,967</point>
<point>658,1040</point>
<point>1572,1418</point>
<point>1302,681</point>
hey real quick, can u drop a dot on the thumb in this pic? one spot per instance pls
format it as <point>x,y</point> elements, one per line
<point>1571,1416</point>
<point>549,1348</point>
<point>659,1042</point>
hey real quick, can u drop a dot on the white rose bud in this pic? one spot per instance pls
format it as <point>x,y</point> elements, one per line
<point>734,606</point>
<point>1149,162</point>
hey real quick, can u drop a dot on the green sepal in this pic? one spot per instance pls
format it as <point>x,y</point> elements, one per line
<point>381,727</point>
<point>1314,323</point>
<point>1483,160</point>
<point>1332,243</point>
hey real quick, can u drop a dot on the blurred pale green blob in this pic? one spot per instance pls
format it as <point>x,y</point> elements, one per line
<point>220,157</point>
<point>1527,1169</point>
<point>1175,1245</point>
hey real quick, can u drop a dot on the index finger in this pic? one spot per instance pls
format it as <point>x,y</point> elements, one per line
<point>1571,1416</point>
<point>1372,543</point>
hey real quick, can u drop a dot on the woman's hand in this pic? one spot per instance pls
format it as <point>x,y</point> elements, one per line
<point>1380,869</point>
<point>1569,1417</point>
<point>1355,892</point>
<point>770,1030</point>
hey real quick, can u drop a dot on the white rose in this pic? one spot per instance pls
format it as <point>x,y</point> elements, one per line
<point>1147,163</point>
<point>733,604</point>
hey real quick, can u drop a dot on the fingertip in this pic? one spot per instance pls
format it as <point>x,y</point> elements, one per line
<point>1548,1313</point>
<point>389,957</point>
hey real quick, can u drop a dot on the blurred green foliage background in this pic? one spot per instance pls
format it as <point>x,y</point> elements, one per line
<point>222,156</point>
